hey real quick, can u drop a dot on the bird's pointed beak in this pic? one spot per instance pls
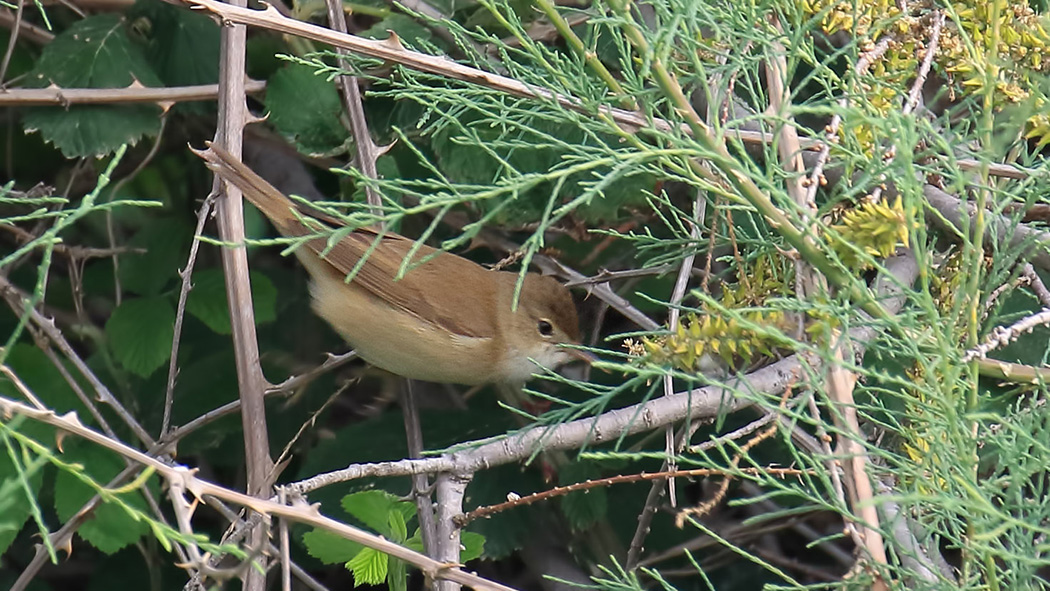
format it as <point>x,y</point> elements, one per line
<point>581,355</point>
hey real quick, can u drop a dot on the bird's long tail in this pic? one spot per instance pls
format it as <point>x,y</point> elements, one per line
<point>281,210</point>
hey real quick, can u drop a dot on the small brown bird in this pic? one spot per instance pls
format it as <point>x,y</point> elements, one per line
<point>447,320</point>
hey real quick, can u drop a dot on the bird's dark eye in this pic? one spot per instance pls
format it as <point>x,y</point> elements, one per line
<point>545,328</point>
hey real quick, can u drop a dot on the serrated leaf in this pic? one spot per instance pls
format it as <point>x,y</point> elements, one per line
<point>91,130</point>
<point>369,567</point>
<point>93,53</point>
<point>583,508</point>
<point>330,548</point>
<point>111,527</point>
<point>314,130</point>
<point>139,333</point>
<point>207,301</point>
<point>373,507</point>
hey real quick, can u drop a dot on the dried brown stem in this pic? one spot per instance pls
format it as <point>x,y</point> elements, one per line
<point>184,479</point>
<point>232,117</point>
<point>165,97</point>
<point>490,510</point>
<point>180,313</point>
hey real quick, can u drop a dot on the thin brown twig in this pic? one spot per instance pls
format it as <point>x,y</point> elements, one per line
<point>680,286</point>
<point>180,312</point>
<point>840,384</point>
<point>1036,283</point>
<point>16,298</point>
<point>705,507</point>
<point>11,42</point>
<point>184,479</point>
<point>816,177</point>
<point>117,186</point>
<point>927,62</point>
<point>232,117</point>
<point>394,52</point>
<point>72,251</point>
<point>490,510</point>
<point>233,517</point>
<point>606,276</point>
<point>29,31</point>
<point>164,96</point>
<point>367,151</point>
<point>420,482</point>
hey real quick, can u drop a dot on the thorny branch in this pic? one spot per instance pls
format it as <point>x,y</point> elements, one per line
<point>184,479</point>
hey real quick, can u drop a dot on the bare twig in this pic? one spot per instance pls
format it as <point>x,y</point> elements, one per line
<point>111,233</point>
<point>71,250</point>
<point>1001,337</point>
<point>490,510</point>
<point>840,383</point>
<point>181,478</point>
<point>605,276</point>
<point>1036,283</point>
<point>11,41</point>
<point>671,446</point>
<point>232,117</point>
<point>164,97</point>
<point>367,152</point>
<point>420,482</point>
<point>180,312</point>
<point>451,488</point>
<point>16,299</point>
<point>927,62</point>
<point>28,32</point>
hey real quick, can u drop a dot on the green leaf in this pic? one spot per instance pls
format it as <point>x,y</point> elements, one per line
<point>165,242</point>
<point>93,53</point>
<point>369,567</point>
<point>305,108</point>
<point>473,546</point>
<point>207,301</point>
<point>397,578</point>
<point>330,548</point>
<point>507,531</point>
<point>140,333</point>
<point>91,130</point>
<point>373,509</point>
<point>182,46</point>
<point>15,501</point>
<point>41,377</point>
<point>583,508</point>
<point>397,527</point>
<point>111,527</point>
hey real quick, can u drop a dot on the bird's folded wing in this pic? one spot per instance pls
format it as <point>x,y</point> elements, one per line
<point>431,292</point>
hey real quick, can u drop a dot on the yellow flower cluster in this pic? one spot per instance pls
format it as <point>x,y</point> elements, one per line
<point>732,337</point>
<point>965,54</point>
<point>875,227</point>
